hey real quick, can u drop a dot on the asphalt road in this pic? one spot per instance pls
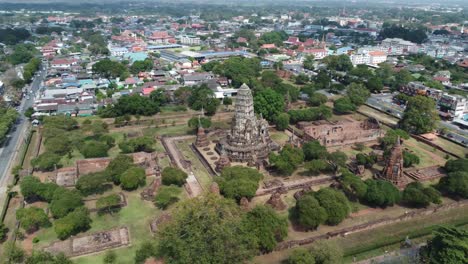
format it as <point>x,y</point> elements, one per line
<point>383,102</point>
<point>17,134</point>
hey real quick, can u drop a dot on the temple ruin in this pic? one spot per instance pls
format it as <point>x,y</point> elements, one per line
<point>343,132</point>
<point>393,170</point>
<point>91,243</point>
<point>248,139</point>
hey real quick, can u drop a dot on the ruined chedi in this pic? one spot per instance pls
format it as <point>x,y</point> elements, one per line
<point>202,139</point>
<point>393,170</point>
<point>248,138</point>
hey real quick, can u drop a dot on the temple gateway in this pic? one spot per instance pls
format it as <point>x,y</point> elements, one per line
<point>248,139</point>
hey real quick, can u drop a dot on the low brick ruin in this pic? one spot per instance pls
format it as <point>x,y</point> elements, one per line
<point>343,132</point>
<point>68,176</point>
<point>91,243</point>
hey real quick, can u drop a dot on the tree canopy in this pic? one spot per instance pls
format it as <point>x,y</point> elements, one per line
<point>206,230</point>
<point>287,160</point>
<point>268,103</point>
<point>174,176</point>
<point>448,245</point>
<point>267,226</point>
<point>420,115</point>
<point>236,182</point>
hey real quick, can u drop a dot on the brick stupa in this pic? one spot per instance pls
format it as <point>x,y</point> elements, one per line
<point>393,170</point>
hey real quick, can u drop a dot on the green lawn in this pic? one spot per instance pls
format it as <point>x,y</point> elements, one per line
<point>166,130</point>
<point>199,170</point>
<point>279,137</point>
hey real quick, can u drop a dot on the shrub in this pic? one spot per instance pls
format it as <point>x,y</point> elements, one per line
<point>64,201</point>
<point>308,212</point>
<point>47,161</point>
<point>137,144</point>
<point>173,176</point>
<point>381,193</point>
<point>166,196</point>
<point>335,204</point>
<point>118,166</point>
<point>301,256</point>
<point>265,224</point>
<point>282,121</point>
<point>409,159</point>
<point>132,178</point>
<point>455,184</point>
<point>109,202</point>
<point>92,183</point>
<point>73,223</point>
<point>32,218</point>
<point>94,149</point>
<point>237,182</point>
<point>288,159</point>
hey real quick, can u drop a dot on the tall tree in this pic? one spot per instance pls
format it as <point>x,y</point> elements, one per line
<point>420,115</point>
<point>206,229</point>
<point>448,245</point>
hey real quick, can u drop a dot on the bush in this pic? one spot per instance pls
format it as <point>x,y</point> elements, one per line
<point>109,202</point>
<point>308,212</point>
<point>137,144</point>
<point>73,223</point>
<point>282,121</point>
<point>381,193</point>
<point>352,185</point>
<point>94,149</point>
<point>314,150</point>
<point>3,232</point>
<point>265,224</point>
<point>32,188</point>
<point>47,161</point>
<point>132,178</point>
<point>301,256</point>
<point>288,159</point>
<point>110,257</point>
<point>409,159</point>
<point>92,183</point>
<point>317,99</point>
<point>32,218</point>
<point>118,166</point>
<point>166,196</point>
<point>237,182</point>
<point>64,201</point>
<point>195,121</point>
<point>173,176</point>
<point>344,105</point>
<point>335,204</point>
<point>455,184</point>
<point>315,167</point>
<point>456,165</point>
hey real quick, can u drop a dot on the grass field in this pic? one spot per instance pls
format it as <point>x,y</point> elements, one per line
<point>452,147</point>
<point>388,119</point>
<point>200,172</point>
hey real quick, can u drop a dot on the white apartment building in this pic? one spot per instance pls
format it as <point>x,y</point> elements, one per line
<point>190,40</point>
<point>397,46</point>
<point>368,57</point>
<point>456,105</point>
